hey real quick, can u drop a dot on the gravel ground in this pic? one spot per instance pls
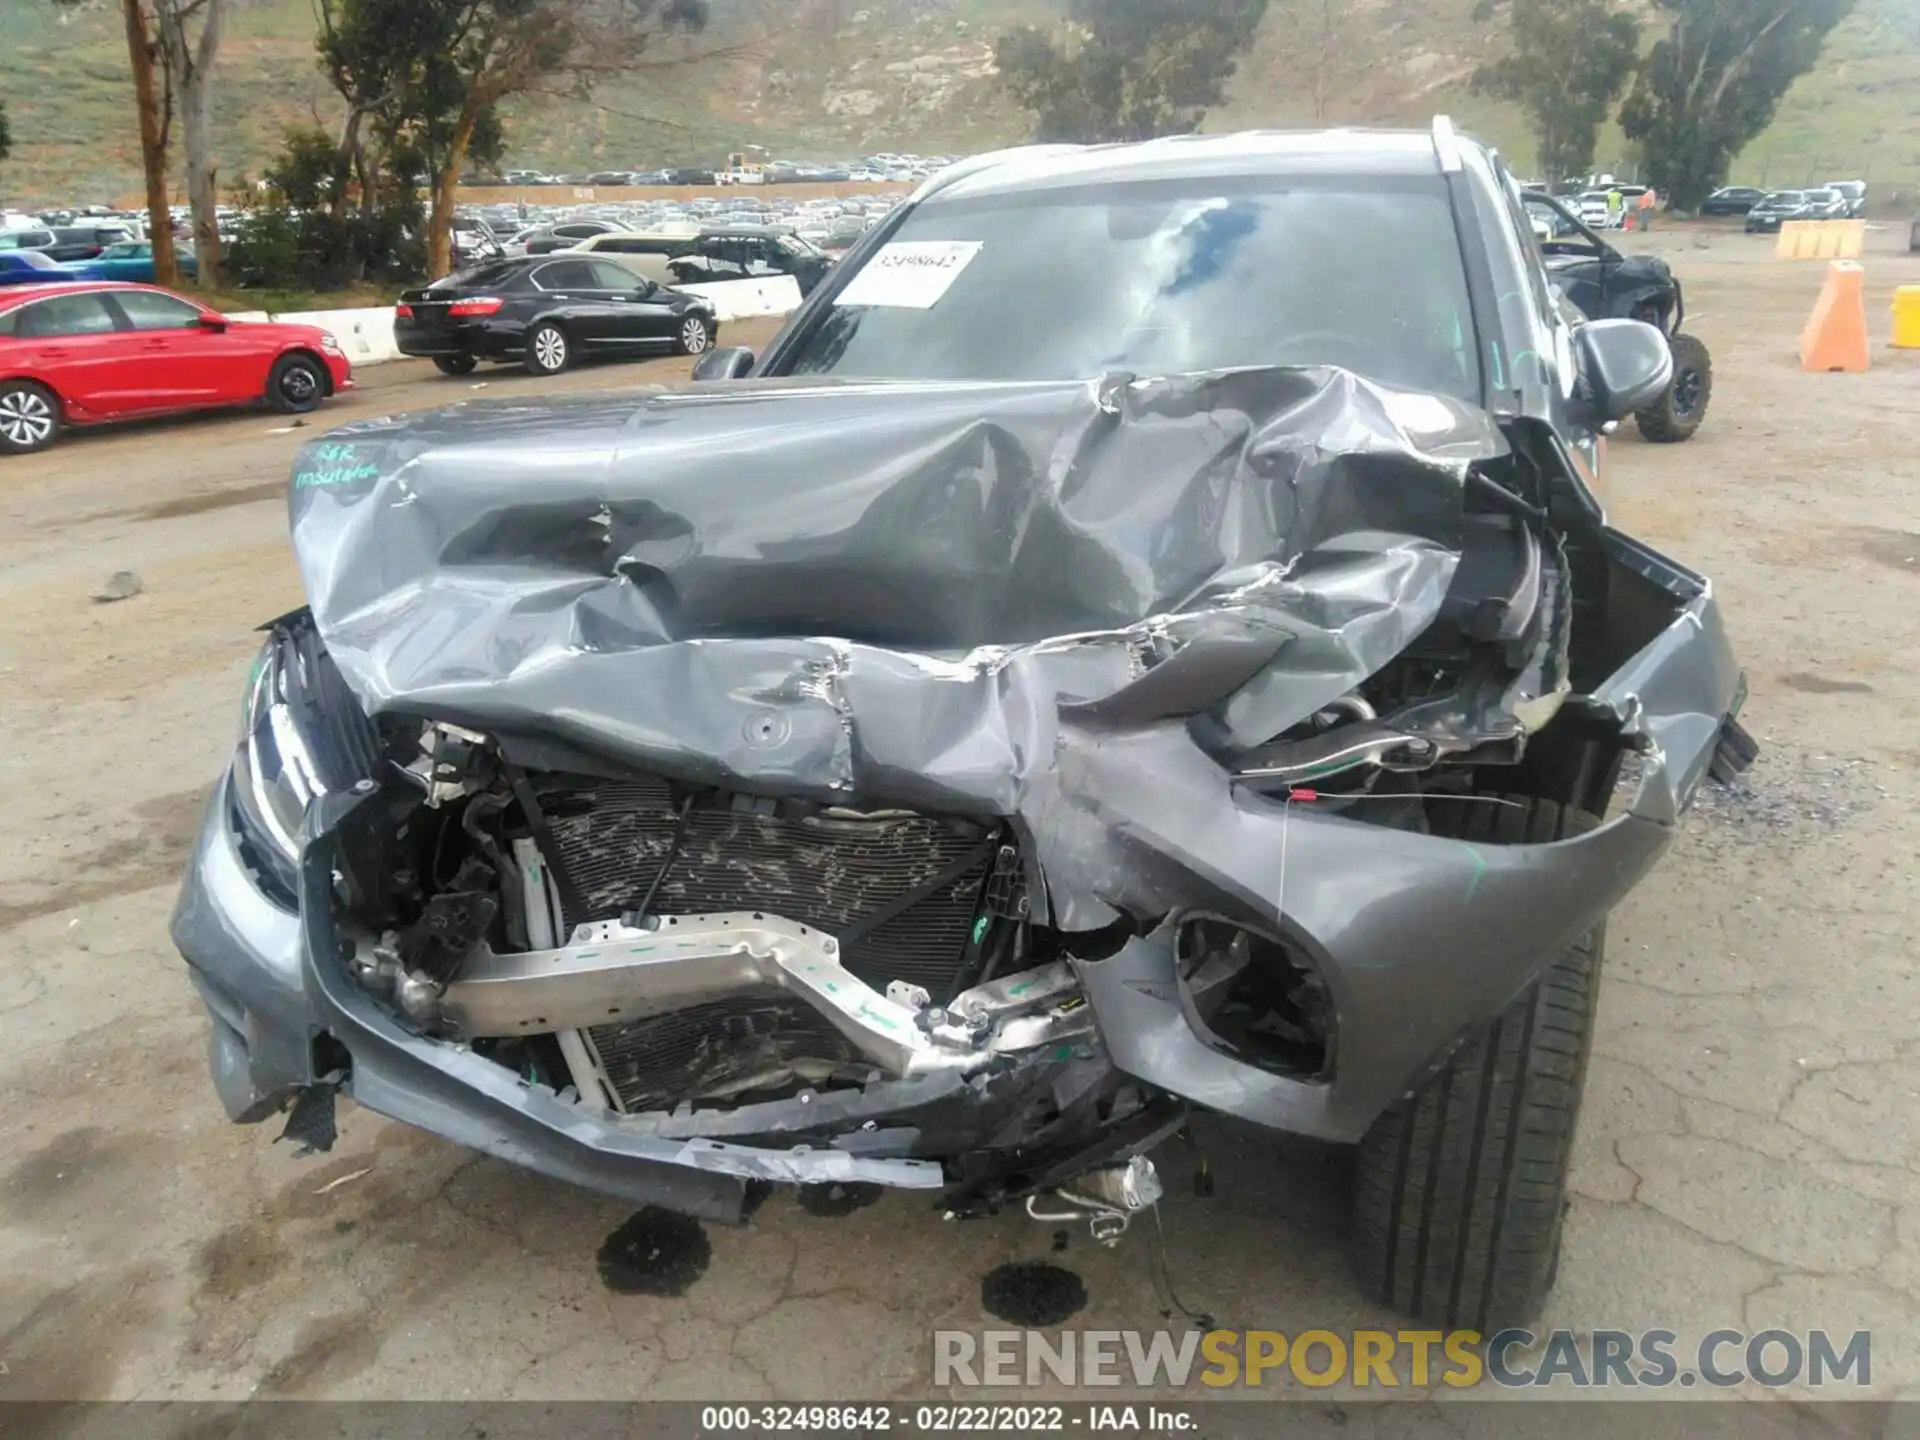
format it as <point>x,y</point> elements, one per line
<point>1750,1147</point>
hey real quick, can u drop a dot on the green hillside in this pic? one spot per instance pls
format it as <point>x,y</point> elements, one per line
<point>842,78</point>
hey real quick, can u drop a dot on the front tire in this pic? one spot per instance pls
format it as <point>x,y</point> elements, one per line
<point>548,350</point>
<point>1461,1188</point>
<point>29,417</point>
<point>297,385</point>
<point>454,364</point>
<point>1677,414</point>
<point>695,336</point>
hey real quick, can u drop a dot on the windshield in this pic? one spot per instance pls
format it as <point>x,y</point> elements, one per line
<point>1784,197</point>
<point>1162,278</point>
<point>1822,197</point>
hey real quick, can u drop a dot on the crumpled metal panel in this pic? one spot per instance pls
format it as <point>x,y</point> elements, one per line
<point>886,590</point>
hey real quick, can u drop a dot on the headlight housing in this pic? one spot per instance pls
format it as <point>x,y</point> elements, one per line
<point>302,736</point>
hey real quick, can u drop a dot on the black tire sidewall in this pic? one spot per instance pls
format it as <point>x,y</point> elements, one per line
<point>7,447</point>
<point>1658,423</point>
<point>455,364</point>
<point>1461,1188</point>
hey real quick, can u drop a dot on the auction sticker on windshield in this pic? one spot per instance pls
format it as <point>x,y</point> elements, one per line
<point>910,274</point>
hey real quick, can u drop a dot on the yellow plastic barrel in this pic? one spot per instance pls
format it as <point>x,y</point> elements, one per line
<point>1906,317</point>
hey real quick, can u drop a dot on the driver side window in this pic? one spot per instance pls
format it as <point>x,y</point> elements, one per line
<point>1522,211</point>
<point>150,310</point>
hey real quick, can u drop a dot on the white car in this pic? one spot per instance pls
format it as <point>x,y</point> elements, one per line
<point>1591,207</point>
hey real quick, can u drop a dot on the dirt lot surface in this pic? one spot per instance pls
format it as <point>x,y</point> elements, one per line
<point>1750,1148</point>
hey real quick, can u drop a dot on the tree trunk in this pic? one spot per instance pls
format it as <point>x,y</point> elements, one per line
<point>153,141</point>
<point>191,65</point>
<point>348,162</point>
<point>445,186</point>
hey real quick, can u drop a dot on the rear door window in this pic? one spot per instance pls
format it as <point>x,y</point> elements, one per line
<point>67,315</point>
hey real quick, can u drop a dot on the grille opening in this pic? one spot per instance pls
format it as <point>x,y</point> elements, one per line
<point>1259,998</point>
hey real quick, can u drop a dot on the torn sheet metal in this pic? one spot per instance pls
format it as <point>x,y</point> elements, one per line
<point>890,590</point>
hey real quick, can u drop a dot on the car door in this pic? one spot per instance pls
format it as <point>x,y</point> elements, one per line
<point>644,311</point>
<point>198,365</point>
<point>587,309</point>
<point>74,343</point>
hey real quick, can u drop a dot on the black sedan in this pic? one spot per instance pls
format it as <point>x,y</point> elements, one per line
<point>1732,200</point>
<point>1766,217</point>
<point>546,312</point>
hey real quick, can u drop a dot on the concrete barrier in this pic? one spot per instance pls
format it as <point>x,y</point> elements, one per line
<point>750,299</point>
<point>1821,240</point>
<point>366,335</point>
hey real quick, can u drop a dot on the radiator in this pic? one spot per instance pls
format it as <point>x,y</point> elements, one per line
<point>611,839</point>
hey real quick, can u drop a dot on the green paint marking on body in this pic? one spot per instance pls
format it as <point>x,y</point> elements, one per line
<point>1479,869</point>
<point>979,929</point>
<point>336,475</point>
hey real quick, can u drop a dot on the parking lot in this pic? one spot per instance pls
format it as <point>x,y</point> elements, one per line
<point>1750,1146</point>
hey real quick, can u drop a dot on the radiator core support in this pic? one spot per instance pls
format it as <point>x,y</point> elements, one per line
<point>612,973</point>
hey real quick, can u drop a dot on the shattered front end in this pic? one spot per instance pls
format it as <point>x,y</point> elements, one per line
<point>938,787</point>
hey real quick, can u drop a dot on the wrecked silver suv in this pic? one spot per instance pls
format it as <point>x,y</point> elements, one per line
<point>1143,638</point>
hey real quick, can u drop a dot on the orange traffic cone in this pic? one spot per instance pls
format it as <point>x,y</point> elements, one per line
<point>1836,333</point>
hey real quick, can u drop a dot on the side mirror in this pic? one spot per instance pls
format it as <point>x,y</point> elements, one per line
<point>210,321</point>
<point>1625,365</point>
<point>729,363</point>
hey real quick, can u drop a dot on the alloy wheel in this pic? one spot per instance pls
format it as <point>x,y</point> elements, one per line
<point>550,349</point>
<point>299,384</point>
<point>26,419</point>
<point>694,337</point>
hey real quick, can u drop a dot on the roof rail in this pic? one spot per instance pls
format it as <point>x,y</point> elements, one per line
<point>1446,144</point>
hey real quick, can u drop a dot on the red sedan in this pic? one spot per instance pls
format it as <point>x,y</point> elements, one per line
<point>79,354</point>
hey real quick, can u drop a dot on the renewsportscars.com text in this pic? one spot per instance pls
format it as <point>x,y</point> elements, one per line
<point>1385,1359</point>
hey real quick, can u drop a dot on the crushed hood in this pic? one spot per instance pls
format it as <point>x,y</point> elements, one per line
<point>900,590</point>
